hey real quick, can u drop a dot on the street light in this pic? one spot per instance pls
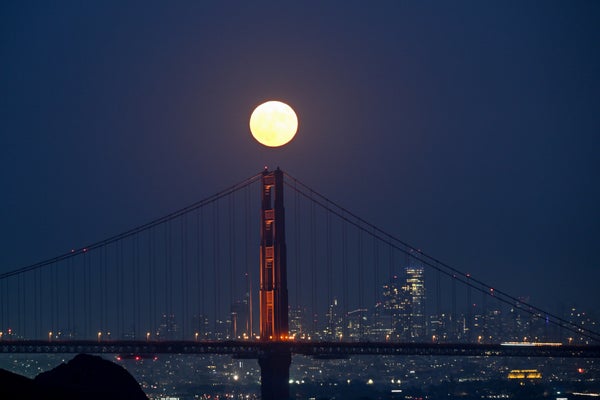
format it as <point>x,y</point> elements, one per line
<point>99,336</point>
<point>50,336</point>
<point>147,336</point>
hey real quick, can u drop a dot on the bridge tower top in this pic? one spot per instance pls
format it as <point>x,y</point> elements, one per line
<point>273,268</point>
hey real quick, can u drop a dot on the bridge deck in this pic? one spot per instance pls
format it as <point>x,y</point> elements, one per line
<point>254,349</point>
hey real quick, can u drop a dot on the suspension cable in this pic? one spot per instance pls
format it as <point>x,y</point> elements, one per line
<point>136,230</point>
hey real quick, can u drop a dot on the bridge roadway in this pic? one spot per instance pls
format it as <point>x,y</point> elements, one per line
<point>255,349</point>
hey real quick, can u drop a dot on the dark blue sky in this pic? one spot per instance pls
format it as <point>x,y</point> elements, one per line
<point>468,129</point>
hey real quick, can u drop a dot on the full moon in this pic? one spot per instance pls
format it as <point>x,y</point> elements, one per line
<point>273,123</point>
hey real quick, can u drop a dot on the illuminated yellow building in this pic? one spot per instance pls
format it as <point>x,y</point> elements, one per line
<point>524,374</point>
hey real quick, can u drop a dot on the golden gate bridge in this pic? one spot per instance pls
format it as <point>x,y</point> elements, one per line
<point>187,283</point>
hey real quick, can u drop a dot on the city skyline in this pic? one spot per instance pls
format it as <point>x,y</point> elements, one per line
<point>197,268</point>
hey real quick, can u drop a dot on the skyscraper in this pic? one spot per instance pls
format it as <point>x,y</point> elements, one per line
<point>416,292</point>
<point>404,301</point>
<point>396,304</point>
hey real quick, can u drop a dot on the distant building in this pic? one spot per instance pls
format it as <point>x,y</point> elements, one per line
<point>404,302</point>
<point>583,320</point>
<point>297,323</point>
<point>416,292</point>
<point>334,327</point>
<point>168,327</point>
<point>201,326</point>
<point>523,374</point>
<point>240,320</point>
<point>358,327</point>
<point>396,303</point>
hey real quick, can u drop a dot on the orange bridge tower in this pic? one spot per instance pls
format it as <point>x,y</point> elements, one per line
<point>275,362</point>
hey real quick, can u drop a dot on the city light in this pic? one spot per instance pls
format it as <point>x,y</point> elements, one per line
<point>524,374</point>
<point>531,344</point>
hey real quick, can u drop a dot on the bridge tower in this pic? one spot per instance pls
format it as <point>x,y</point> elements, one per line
<point>276,360</point>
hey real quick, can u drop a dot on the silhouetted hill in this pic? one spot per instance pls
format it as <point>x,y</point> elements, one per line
<point>17,386</point>
<point>84,377</point>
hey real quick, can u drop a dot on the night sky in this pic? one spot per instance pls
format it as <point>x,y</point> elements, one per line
<point>470,130</point>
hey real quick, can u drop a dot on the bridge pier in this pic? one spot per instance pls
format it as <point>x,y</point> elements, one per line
<point>275,374</point>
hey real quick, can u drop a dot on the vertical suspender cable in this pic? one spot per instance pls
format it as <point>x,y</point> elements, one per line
<point>120,305</point>
<point>297,246</point>
<point>152,282</point>
<point>6,304</point>
<point>329,266</point>
<point>215,267</point>
<point>187,272</point>
<point>19,305</point>
<point>346,277</point>
<point>483,313</point>
<point>103,294</point>
<point>167,311</point>
<point>248,264</point>
<point>233,245</point>
<point>389,279</point>
<point>71,298</point>
<point>438,293</point>
<point>25,328</point>
<point>170,252</point>
<point>361,283</point>
<point>376,279</point>
<point>90,316</point>
<point>3,306</point>
<point>182,293</point>
<point>135,279</point>
<point>36,316</point>
<point>138,297</point>
<point>230,262</point>
<point>313,264</point>
<point>469,309</point>
<point>52,299</point>
<point>84,304</point>
<point>454,317</point>
<point>199,269</point>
